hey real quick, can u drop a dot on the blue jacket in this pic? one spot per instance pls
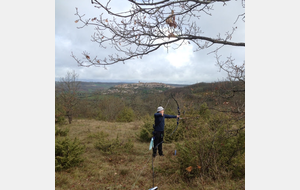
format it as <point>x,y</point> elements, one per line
<point>160,121</point>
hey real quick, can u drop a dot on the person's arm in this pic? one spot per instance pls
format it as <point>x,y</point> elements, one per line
<point>170,116</point>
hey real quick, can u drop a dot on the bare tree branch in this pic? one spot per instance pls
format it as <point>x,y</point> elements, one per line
<point>147,26</point>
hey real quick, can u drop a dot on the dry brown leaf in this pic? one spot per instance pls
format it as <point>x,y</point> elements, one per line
<point>189,169</point>
<point>88,57</point>
<point>76,21</point>
<point>171,20</point>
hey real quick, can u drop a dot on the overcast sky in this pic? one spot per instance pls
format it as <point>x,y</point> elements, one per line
<point>181,66</point>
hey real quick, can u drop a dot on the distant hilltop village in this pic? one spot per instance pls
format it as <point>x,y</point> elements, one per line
<point>132,88</point>
<point>147,85</point>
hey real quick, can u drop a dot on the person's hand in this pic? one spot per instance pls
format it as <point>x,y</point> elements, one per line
<point>177,116</point>
<point>162,112</point>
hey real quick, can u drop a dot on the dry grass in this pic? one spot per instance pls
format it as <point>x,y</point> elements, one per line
<point>124,170</point>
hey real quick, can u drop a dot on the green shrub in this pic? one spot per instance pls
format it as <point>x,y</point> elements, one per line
<point>106,145</point>
<point>59,119</point>
<point>128,146</point>
<point>126,115</point>
<point>101,116</point>
<point>61,131</point>
<point>146,129</point>
<point>170,127</point>
<point>67,153</point>
<point>204,111</point>
<point>212,151</point>
<point>59,114</point>
<point>145,134</point>
<point>111,146</point>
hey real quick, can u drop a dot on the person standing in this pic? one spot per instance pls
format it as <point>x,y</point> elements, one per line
<point>159,127</point>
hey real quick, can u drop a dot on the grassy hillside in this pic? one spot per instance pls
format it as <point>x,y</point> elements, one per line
<point>210,140</point>
<point>125,169</point>
<point>95,86</point>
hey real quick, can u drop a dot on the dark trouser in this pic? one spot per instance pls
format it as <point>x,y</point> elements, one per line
<point>159,135</point>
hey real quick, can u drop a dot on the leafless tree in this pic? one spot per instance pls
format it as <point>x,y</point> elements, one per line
<point>149,25</point>
<point>68,88</point>
<point>233,94</point>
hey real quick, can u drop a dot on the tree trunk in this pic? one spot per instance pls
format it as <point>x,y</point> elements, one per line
<point>70,119</point>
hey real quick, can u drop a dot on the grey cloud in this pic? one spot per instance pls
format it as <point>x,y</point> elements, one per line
<point>154,67</point>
